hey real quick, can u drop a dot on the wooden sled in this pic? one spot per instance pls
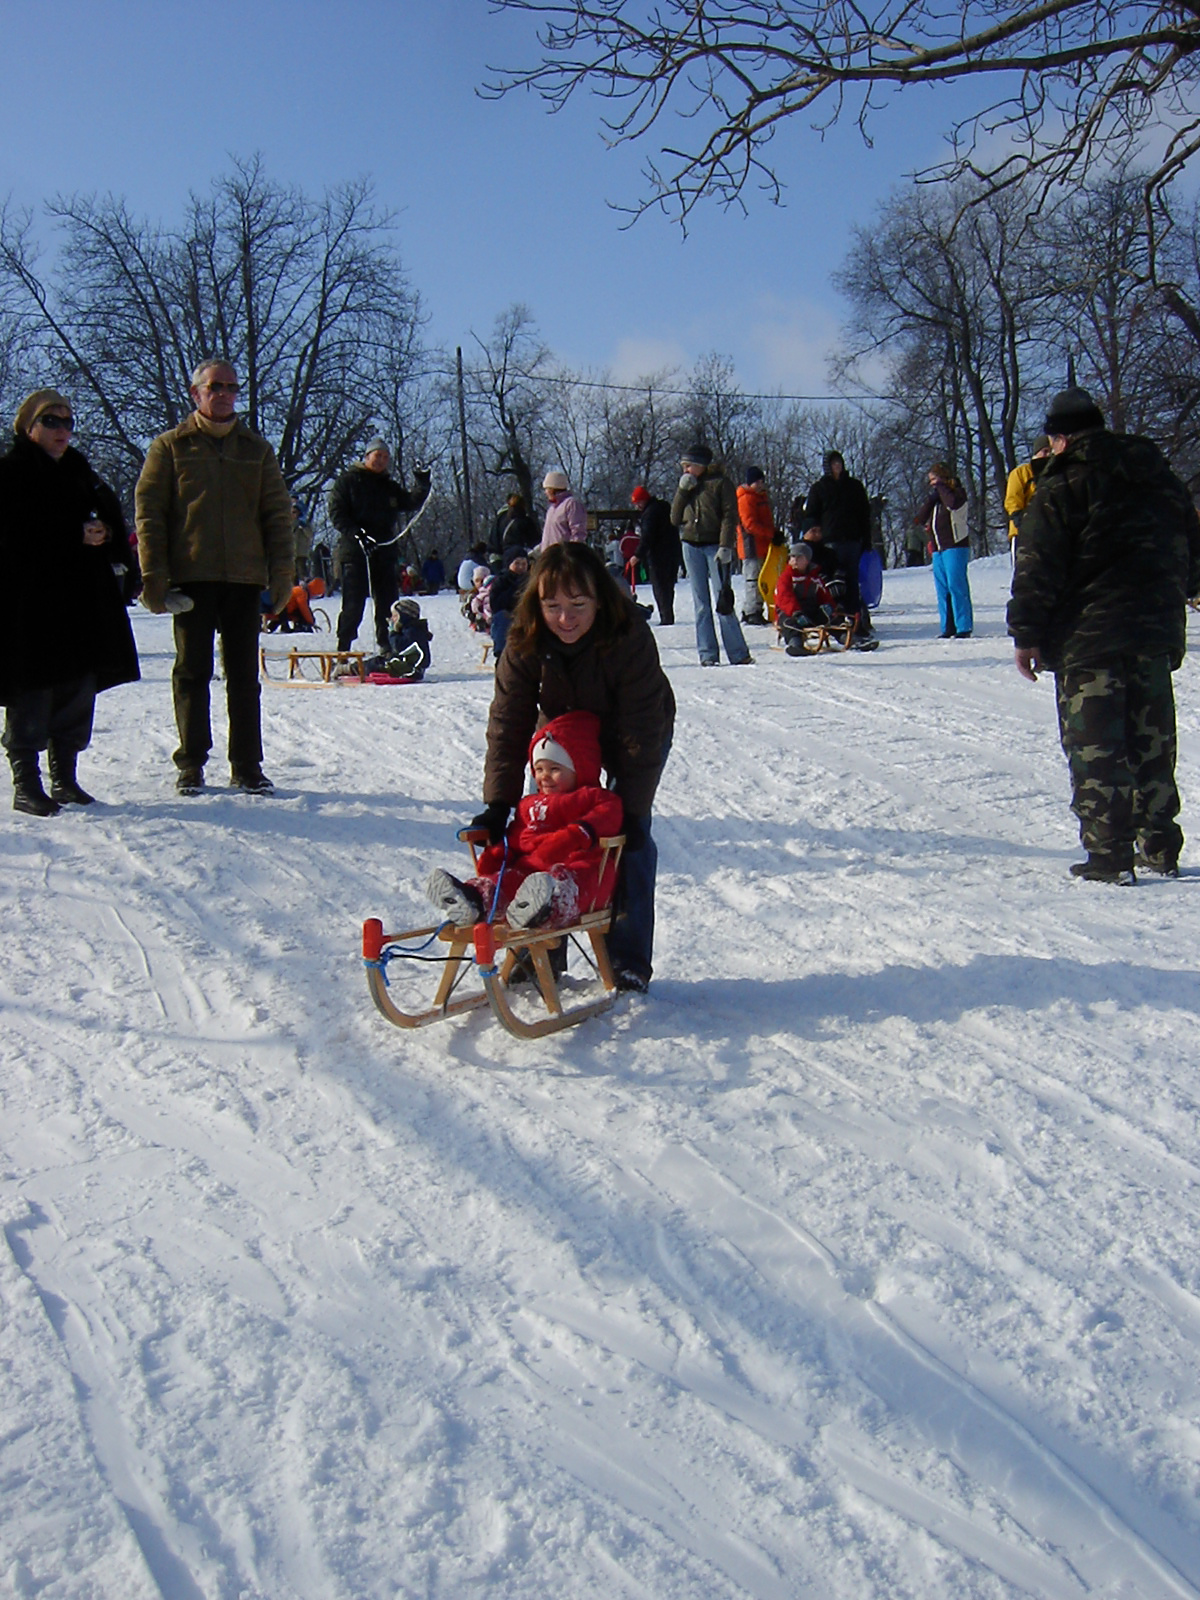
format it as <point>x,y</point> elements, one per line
<point>310,666</point>
<point>495,948</point>
<point>837,636</point>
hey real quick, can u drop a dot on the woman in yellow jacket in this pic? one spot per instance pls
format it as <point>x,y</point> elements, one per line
<point>1019,491</point>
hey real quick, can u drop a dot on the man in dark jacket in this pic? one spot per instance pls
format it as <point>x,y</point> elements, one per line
<point>365,505</point>
<point>659,549</point>
<point>840,504</point>
<point>1108,556</point>
<point>514,527</point>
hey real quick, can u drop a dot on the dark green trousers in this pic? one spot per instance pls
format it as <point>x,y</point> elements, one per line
<point>231,610</point>
<point>1117,724</point>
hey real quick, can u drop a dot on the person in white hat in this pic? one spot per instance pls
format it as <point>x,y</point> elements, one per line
<point>566,520</point>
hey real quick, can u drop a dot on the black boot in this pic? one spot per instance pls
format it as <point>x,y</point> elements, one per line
<point>28,794</point>
<point>63,786</point>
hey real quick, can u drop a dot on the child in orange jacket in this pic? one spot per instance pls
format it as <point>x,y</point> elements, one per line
<point>547,869</point>
<point>756,529</point>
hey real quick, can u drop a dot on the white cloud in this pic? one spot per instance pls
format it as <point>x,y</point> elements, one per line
<point>636,358</point>
<point>787,345</point>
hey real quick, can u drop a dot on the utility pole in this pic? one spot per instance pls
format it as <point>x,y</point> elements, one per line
<point>466,467</point>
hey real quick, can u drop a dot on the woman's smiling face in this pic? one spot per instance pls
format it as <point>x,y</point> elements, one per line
<point>569,613</point>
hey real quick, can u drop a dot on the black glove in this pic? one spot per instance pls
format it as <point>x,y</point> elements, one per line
<point>494,818</point>
<point>635,832</point>
<point>778,537</point>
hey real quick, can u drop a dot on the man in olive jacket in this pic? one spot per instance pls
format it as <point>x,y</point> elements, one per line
<point>1109,553</point>
<point>705,512</point>
<point>214,521</point>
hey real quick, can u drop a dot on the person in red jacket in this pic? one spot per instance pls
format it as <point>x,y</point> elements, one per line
<point>546,870</point>
<point>756,529</point>
<point>802,598</point>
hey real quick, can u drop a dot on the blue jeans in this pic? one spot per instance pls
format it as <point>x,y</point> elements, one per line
<point>631,938</point>
<point>953,590</point>
<point>704,569</point>
<point>501,621</point>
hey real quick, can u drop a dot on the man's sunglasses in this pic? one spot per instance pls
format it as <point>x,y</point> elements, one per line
<point>49,420</point>
<point>221,388</point>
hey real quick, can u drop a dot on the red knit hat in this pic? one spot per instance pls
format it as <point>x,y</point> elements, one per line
<point>574,736</point>
<point>640,496</point>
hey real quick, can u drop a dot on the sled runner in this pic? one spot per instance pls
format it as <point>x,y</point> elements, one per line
<point>495,950</point>
<point>312,666</point>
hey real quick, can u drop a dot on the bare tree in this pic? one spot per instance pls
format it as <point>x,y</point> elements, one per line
<point>306,297</point>
<point>1072,80</point>
<point>508,392</point>
<point>955,298</point>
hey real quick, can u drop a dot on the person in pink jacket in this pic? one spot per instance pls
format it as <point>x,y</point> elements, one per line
<point>546,869</point>
<point>566,520</point>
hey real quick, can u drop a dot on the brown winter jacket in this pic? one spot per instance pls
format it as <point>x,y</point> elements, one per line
<point>707,514</point>
<point>625,686</point>
<point>213,510</point>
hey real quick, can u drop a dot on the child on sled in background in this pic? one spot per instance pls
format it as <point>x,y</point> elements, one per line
<point>802,598</point>
<point>547,869</point>
<point>297,614</point>
<point>410,643</point>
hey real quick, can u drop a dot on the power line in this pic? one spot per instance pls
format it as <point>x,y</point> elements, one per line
<point>679,394</point>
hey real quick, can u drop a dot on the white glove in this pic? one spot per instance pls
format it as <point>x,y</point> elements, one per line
<point>725,555</point>
<point>688,481</point>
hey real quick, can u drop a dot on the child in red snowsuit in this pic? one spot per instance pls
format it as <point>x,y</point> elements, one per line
<point>547,870</point>
<point>802,598</point>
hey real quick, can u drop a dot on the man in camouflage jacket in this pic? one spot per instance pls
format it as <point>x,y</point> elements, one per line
<point>1109,554</point>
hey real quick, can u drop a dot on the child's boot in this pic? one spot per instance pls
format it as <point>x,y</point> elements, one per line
<point>532,903</point>
<point>459,903</point>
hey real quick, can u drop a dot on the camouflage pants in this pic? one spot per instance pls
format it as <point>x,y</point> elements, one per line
<point>1117,725</point>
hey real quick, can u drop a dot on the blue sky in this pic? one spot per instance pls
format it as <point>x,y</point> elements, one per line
<point>496,202</point>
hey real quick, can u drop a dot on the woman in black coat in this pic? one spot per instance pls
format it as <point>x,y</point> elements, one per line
<point>68,636</point>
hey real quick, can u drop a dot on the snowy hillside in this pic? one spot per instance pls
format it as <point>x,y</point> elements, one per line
<point>858,1259</point>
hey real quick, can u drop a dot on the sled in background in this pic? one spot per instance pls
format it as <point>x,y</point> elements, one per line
<point>495,950</point>
<point>768,576</point>
<point>824,637</point>
<point>313,667</point>
<point>870,578</point>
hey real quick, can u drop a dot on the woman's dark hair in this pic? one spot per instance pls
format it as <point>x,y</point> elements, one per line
<point>576,568</point>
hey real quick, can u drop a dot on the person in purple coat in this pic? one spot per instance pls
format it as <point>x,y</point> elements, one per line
<point>566,520</point>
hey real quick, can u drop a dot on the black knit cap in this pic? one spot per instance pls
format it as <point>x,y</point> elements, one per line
<point>1073,411</point>
<point>754,475</point>
<point>697,455</point>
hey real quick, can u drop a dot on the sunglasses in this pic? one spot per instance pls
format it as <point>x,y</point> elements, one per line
<point>49,420</point>
<point>221,388</point>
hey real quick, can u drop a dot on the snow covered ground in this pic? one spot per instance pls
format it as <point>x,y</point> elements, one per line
<point>859,1259</point>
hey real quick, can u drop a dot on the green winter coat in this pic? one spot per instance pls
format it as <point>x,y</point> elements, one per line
<point>1109,553</point>
<point>707,514</point>
<point>213,510</point>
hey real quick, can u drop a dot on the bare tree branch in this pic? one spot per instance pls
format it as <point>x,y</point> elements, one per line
<point>1075,80</point>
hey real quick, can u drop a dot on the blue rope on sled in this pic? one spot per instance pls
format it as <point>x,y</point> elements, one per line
<point>395,952</point>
